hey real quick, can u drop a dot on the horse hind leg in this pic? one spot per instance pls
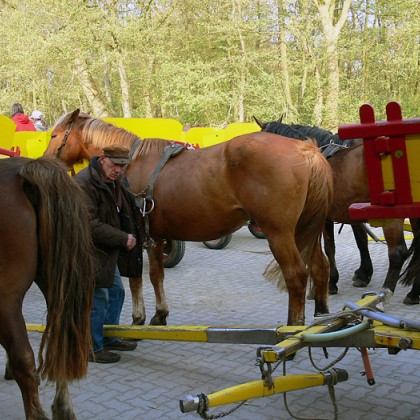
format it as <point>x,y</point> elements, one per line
<point>62,407</point>
<point>292,270</point>
<point>21,363</point>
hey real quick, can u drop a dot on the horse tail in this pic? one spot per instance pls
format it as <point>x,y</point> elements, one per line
<point>413,268</point>
<point>318,201</point>
<point>311,222</point>
<point>65,268</point>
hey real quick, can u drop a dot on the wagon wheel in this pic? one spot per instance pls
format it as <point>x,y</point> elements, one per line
<point>255,230</point>
<point>173,252</point>
<point>218,243</point>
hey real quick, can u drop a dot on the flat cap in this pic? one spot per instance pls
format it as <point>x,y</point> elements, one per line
<point>118,154</point>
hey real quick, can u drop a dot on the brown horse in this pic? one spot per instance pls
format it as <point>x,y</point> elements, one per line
<point>44,239</point>
<point>204,194</point>
<point>350,186</point>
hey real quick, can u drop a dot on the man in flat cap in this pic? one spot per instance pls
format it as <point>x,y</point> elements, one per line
<point>114,229</point>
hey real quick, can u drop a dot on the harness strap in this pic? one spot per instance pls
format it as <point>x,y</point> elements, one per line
<point>331,149</point>
<point>146,195</point>
<point>133,148</point>
<point>66,136</point>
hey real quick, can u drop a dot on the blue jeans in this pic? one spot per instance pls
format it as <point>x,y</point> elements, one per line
<point>106,310</point>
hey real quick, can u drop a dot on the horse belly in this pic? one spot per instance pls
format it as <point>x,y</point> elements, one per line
<point>194,220</point>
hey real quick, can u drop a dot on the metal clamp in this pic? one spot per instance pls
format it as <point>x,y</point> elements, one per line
<point>143,210</point>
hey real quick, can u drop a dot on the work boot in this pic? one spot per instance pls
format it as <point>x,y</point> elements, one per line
<point>104,356</point>
<point>121,345</point>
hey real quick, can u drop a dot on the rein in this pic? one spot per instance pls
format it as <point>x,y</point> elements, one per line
<point>63,143</point>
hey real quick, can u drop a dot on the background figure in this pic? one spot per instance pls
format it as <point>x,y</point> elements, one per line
<point>22,121</point>
<point>37,119</point>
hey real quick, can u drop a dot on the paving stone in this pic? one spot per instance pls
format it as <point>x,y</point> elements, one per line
<point>222,288</point>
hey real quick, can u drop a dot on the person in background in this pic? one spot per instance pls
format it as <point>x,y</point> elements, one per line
<point>22,121</point>
<point>37,119</point>
<point>113,227</point>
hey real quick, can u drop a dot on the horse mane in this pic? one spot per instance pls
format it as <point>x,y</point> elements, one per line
<point>151,146</point>
<point>285,130</point>
<point>98,132</point>
<point>303,132</point>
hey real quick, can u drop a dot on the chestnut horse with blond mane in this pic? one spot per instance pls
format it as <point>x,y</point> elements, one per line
<point>44,238</point>
<point>204,194</point>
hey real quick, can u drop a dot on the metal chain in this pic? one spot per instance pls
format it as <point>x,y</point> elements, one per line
<point>338,359</point>
<point>206,416</point>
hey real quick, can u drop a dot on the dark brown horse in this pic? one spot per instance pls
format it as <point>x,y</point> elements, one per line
<point>347,162</point>
<point>204,194</point>
<point>44,239</point>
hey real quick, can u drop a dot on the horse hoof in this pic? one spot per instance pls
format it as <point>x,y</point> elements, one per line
<point>158,321</point>
<point>333,289</point>
<point>8,376</point>
<point>359,283</point>
<point>409,301</point>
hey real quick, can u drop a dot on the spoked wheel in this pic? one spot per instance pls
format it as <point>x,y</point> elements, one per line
<point>255,230</point>
<point>218,243</point>
<point>173,252</point>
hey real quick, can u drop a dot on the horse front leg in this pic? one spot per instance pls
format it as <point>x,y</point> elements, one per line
<point>156,273</point>
<point>329,246</point>
<point>397,254</point>
<point>139,309</point>
<point>62,407</point>
<point>319,272</point>
<point>364,273</point>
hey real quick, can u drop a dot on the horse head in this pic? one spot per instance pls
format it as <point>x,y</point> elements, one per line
<point>65,143</point>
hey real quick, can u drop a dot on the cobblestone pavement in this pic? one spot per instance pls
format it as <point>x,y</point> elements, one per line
<point>221,288</point>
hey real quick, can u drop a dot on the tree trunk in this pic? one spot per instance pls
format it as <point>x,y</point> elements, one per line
<point>125,89</point>
<point>107,82</point>
<point>331,27</point>
<point>96,104</point>
<point>237,16</point>
<point>284,67</point>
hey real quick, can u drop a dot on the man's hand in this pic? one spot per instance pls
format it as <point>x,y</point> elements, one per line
<point>131,242</point>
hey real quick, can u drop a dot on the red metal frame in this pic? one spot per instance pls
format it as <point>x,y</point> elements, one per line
<point>381,138</point>
<point>12,152</point>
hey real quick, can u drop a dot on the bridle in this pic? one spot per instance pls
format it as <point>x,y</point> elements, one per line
<point>64,141</point>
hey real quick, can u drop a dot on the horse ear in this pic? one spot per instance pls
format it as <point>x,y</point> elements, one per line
<point>260,123</point>
<point>74,115</point>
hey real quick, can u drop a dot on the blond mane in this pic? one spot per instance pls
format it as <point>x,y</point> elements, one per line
<point>100,133</point>
<point>151,146</point>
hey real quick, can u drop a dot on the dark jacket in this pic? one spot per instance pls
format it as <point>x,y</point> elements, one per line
<point>110,226</point>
